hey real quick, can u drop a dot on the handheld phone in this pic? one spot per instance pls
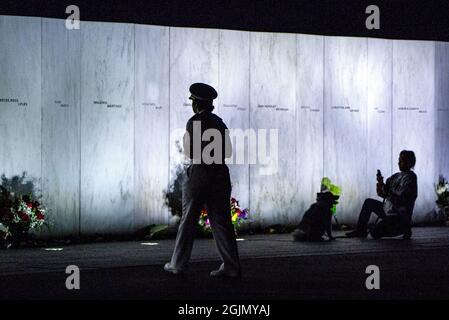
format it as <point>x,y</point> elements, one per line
<point>379,176</point>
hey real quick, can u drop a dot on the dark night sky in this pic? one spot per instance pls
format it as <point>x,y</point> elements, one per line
<point>406,19</point>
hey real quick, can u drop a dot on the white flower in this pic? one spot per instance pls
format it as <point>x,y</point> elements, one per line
<point>442,189</point>
<point>3,228</point>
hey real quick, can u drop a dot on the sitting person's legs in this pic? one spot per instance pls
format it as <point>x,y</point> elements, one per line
<point>369,206</point>
<point>407,227</point>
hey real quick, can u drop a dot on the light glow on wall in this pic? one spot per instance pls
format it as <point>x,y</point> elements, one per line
<point>344,107</point>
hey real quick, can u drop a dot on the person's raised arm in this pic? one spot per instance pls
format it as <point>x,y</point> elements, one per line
<point>381,187</point>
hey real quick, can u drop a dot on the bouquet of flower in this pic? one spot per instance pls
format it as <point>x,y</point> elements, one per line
<point>204,220</point>
<point>19,213</point>
<point>237,216</point>
<point>442,191</point>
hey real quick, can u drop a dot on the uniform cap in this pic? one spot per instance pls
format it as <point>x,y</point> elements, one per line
<point>202,91</point>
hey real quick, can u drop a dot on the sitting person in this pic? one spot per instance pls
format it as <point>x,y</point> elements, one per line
<point>317,220</point>
<point>399,192</point>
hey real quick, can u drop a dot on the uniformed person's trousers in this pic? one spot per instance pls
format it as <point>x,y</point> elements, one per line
<point>208,187</point>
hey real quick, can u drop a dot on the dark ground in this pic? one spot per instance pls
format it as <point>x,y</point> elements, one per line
<point>273,268</point>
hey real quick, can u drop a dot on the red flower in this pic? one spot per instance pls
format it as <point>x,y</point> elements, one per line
<point>30,205</point>
<point>23,216</point>
<point>40,216</point>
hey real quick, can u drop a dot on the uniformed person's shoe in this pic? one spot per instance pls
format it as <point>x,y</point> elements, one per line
<point>220,273</point>
<point>169,268</point>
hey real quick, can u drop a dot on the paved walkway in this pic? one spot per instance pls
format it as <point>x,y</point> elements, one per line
<point>274,267</point>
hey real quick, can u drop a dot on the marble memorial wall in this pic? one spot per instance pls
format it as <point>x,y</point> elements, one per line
<point>413,125</point>
<point>345,121</point>
<point>61,93</point>
<point>379,156</point>
<point>442,108</point>
<point>93,116</point>
<point>151,113</point>
<point>20,98</point>
<point>233,105</point>
<point>272,106</point>
<point>107,128</point>
<point>309,119</point>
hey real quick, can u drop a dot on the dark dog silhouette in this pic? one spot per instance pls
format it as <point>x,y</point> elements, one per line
<point>317,220</point>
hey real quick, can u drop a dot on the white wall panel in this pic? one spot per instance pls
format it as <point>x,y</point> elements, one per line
<point>233,105</point>
<point>442,108</point>
<point>380,67</point>
<point>151,124</point>
<point>107,128</point>
<point>272,94</point>
<point>309,119</point>
<point>345,122</point>
<point>20,97</point>
<point>61,69</point>
<point>413,114</point>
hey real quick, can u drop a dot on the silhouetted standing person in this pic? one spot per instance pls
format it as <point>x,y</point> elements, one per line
<point>399,192</point>
<point>208,184</point>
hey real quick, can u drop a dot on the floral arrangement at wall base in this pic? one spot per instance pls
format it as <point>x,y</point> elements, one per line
<point>19,213</point>
<point>167,231</point>
<point>442,192</point>
<point>238,216</point>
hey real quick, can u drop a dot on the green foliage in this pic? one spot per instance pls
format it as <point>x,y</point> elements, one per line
<point>327,186</point>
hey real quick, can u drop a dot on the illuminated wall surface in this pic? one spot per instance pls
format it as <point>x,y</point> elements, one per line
<point>94,115</point>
